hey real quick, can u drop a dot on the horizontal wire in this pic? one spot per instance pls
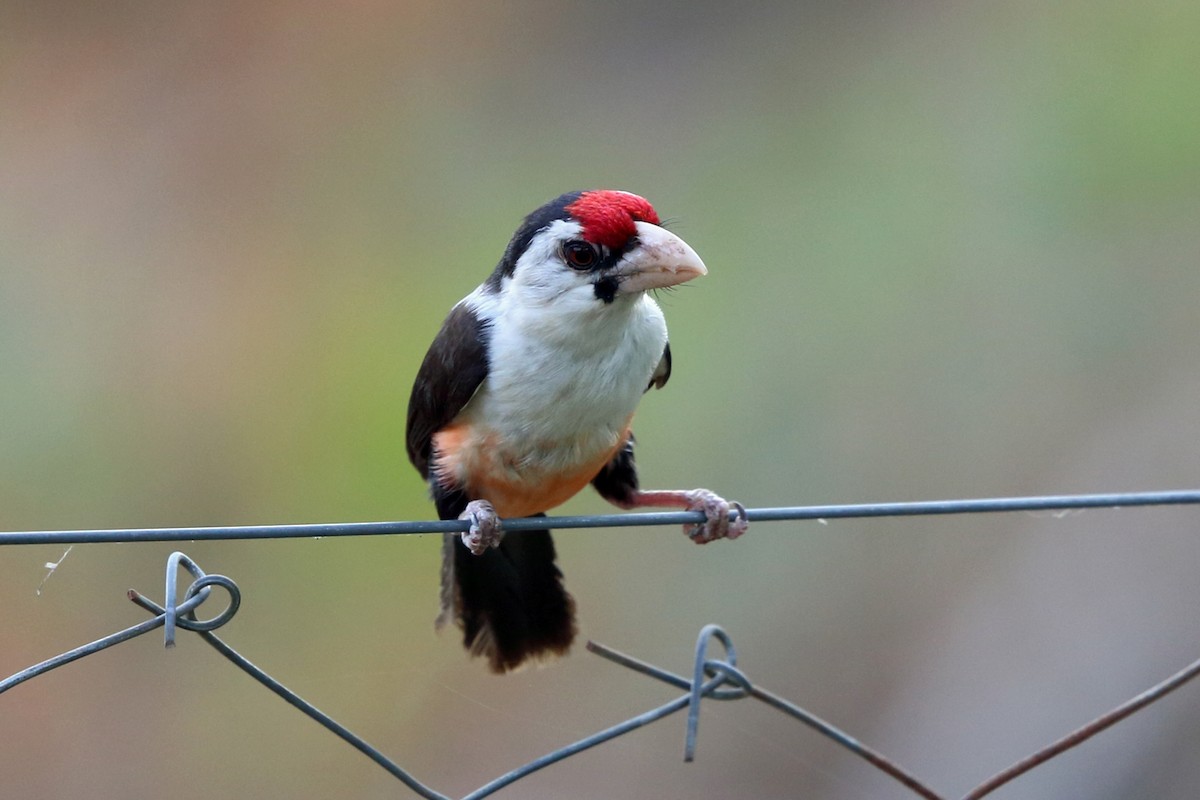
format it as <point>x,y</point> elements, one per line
<point>903,509</point>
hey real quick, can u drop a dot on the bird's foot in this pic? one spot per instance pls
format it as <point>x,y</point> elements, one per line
<point>717,523</point>
<point>485,528</point>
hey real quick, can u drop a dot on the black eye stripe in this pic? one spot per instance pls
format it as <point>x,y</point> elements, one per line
<point>603,258</point>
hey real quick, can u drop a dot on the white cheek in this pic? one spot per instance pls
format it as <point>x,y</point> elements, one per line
<point>540,275</point>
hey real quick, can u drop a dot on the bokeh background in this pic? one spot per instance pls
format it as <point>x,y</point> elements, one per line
<point>953,252</point>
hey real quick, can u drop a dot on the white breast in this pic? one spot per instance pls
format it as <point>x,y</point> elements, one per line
<point>563,383</point>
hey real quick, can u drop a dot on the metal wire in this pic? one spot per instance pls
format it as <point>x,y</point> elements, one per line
<point>826,512</point>
<point>744,689</point>
<point>712,678</point>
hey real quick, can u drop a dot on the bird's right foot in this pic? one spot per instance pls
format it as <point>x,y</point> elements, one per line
<point>485,528</point>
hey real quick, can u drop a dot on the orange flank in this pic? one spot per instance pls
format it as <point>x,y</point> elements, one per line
<point>516,484</point>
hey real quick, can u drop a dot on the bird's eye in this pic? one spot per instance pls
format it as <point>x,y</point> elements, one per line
<point>580,254</point>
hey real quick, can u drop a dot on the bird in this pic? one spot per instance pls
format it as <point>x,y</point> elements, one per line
<point>527,394</point>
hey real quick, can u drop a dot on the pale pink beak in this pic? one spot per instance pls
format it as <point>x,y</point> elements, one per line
<point>661,259</point>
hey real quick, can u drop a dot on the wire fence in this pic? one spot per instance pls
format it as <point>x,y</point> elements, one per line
<point>1071,502</point>
<point>712,678</point>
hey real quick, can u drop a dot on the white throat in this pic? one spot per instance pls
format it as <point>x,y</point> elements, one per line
<point>564,377</point>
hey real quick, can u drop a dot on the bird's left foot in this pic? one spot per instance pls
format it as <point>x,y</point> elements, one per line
<point>717,511</point>
<point>485,529</point>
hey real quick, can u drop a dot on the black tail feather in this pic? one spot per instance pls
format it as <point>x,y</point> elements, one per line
<point>509,601</point>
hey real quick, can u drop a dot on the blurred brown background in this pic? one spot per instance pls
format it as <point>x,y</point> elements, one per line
<point>953,252</point>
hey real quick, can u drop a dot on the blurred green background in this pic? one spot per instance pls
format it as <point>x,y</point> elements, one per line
<point>953,252</point>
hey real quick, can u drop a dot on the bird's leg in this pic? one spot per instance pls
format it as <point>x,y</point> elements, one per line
<point>716,525</point>
<point>485,529</point>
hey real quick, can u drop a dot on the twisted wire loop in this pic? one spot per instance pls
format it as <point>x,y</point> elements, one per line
<point>726,671</point>
<point>713,678</point>
<point>196,594</point>
<point>182,615</point>
<point>171,614</point>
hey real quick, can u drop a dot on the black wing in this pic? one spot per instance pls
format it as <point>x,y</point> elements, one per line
<point>457,362</point>
<point>618,481</point>
<point>662,373</point>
